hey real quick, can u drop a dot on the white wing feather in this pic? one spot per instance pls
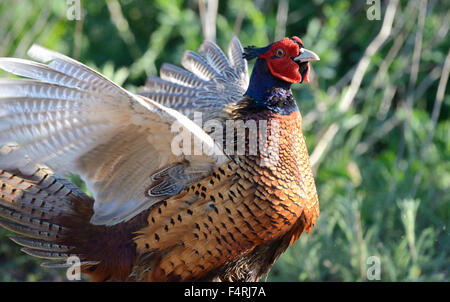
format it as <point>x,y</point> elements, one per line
<point>209,82</point>
<point>76,120</point>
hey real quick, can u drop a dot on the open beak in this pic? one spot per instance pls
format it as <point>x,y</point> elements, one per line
<point>306,56</point>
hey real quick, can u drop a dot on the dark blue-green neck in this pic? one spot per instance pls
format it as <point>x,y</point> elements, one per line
<point>264,89</point>
<point>262,81</point>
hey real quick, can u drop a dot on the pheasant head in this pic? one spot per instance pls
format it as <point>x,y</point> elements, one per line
<point>278,65</point>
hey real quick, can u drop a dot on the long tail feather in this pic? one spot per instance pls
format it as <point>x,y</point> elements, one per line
<point>40,244</point>
<point>33,206</point>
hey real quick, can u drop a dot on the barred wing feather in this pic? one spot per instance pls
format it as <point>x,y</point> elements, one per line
<point>73,119</point>
<point>209,82</point>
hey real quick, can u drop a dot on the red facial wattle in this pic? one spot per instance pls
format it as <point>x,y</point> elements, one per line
<point>304,72</point>
<point>283,66</point>
<point>306,77</point>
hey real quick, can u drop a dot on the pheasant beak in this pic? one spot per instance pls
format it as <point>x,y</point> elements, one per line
<point>306,56</point>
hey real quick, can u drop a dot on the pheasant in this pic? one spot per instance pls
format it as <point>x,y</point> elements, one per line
<point>161,209</point>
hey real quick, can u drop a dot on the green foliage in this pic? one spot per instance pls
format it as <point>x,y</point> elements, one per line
<point>383,181</point>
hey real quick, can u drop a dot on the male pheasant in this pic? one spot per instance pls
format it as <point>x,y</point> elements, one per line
<point>163,209</point>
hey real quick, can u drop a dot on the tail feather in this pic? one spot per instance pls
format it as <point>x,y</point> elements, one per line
<point>52,219</point>
<point>26,231</point>
<point>26,220</point>
<point>65,264</point>
<point>46,254</point>
<point>38,244</point>
<point>33,206</point>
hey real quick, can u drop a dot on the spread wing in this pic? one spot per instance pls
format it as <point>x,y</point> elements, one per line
<point>209,81</point>
<point>73,119</point>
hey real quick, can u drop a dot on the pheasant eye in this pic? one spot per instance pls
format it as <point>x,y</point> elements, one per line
<point>279,52</point>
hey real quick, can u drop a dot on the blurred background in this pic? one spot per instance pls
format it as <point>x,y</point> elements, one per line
<point>376,113</point>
